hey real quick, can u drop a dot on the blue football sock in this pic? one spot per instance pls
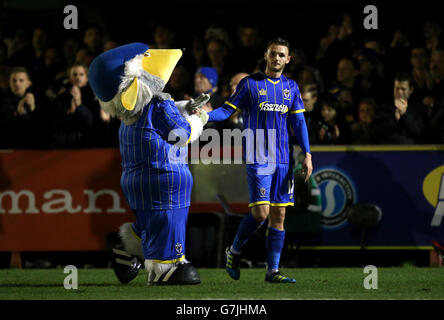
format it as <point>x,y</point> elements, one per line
<point>274,243</point>
<point>247,227</point>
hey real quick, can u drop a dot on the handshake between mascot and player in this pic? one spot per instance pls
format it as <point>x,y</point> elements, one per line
<point>129,81</point>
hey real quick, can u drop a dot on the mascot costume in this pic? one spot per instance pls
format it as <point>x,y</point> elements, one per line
<point>154,133</point>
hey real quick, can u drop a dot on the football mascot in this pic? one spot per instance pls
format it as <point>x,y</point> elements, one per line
<point>154,133</point>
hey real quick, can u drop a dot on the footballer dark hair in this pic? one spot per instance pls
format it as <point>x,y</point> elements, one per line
<point>280,41</point>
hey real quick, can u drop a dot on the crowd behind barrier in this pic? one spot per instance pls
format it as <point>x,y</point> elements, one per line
<point>356,89</point>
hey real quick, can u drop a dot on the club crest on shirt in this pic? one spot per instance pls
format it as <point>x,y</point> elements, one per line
<point>262,92</point>
<point>262,192</point>
<point>179,247</point>
<point>286,94</point>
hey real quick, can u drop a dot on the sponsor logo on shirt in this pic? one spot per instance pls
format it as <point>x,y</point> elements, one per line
<point>266,106</point>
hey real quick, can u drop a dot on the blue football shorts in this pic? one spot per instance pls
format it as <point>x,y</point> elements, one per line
<point>271,184</point>
<point>162,233</point>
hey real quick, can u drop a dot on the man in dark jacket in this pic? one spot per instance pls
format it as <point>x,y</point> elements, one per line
<point>400,121</point>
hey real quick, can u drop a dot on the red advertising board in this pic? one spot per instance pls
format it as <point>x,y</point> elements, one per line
<point>60,200</point>
<point>65,200</point>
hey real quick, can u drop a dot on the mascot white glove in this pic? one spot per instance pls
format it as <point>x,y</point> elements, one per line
<point>203,115</point>
<point>197,103</point>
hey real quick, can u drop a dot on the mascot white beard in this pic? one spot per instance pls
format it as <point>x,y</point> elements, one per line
<point>149,87</point>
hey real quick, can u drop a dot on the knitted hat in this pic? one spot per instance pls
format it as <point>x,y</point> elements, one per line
<point>209,73</point>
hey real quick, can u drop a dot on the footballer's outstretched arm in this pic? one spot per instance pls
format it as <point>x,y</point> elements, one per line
<point>222,113</point>
<point>233,103</point>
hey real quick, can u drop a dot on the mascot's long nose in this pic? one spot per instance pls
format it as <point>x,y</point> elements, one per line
<point>161,62</point>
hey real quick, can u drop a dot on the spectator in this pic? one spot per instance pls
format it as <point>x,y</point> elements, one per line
<point>217,51</point>
<point>434,103</point>
<point>422,78</point>
<point>370,83</point>
<point>309,95</point>
<point>346,28</point>
<point>19,50</point>
<point>83,56</point>
<point>93,41</point>
<point>326,44</point>
<point>378,48</point>
<point>329,124</point>
<point>346,73</point>
<point>197,58</point>
<point>39,42</point>
<point>235,120</point>
<point>235,81</point>
<point>104,130</point>
<point>309,75</point>
<point>297,63</point>
<point>249,49</point>
<point>206,81</point>
<point>70,48</point>
<point>401,121</point>
<point>179,85</point>
<point>50,70</point>
<point>347,103</point>
<point>109,44</point>
<point>164,37</point>
<point>437,73</point>
<point>335,45</point>
<point>375,45</point>
<point>218,33</point>
<point>3,54</point>
<point>19,113</point>
<point>347,78</point>
<point>73,119</point>
<point>397,53</point>
<point>432,32</point>
<point>305,76</point>
<point>4,80</point>
<point>361,130</point>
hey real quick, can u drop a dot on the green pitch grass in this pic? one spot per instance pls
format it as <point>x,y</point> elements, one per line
<point>312,283</point>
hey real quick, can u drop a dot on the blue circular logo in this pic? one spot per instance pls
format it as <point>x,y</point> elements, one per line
<point>338,195</point>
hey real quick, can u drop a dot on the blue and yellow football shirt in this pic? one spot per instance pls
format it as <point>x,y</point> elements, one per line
<point>270,107</point>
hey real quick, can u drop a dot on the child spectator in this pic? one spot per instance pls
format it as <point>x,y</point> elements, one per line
<point>329,131</point>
